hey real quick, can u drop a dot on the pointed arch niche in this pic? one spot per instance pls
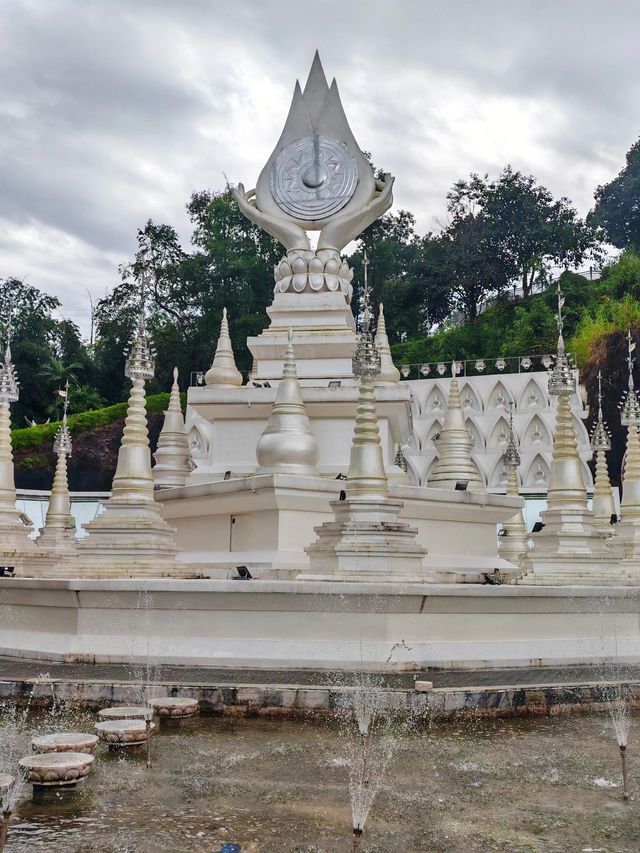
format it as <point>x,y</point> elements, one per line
<point>498,398</point>
<point>470,399</point>
<point>498,478</point>
<point>476,434</point>
<point>435,403</point>
<point>499,435</point>
<point>533,398</point>
<point>537,476</point>
<point>537,434</point>
<point>430,433</point>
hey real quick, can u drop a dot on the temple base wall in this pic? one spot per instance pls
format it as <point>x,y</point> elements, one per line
<point>289,624</point>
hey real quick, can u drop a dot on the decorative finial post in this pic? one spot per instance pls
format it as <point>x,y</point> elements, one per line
<point>603,506</point>
<point>627,531</point>
<point>568,527</point>
<point>173,456</point>
<point>15,543</point>
<point>389,373</point>
<point>130,538</point>
<point>59,531</point>
<point>9,393</point>
<point>514,543</point>
<point>366,476</point>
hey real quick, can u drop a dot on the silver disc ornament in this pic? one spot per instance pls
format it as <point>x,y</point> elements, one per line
<point>313,177</point>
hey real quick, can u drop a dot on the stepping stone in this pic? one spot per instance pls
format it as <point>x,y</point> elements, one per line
<point>120,733</point>
<point>174,707</point>
<point>65,742</point>
<point>56,769</point>
<point>125,712</point>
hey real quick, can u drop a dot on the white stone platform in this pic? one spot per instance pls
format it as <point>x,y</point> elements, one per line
<point>323,625</point>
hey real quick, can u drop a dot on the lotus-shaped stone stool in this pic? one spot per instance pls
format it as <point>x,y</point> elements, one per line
<point>56,769</point>
<point>174,707</point>
<point>125,712</point>
<point>122,733</point>
<point>65,742</point>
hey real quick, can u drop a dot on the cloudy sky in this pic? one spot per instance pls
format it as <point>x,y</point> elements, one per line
<point>115,111</point>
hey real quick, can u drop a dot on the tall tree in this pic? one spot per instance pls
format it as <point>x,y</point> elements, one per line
<point>39,342</point>
<point>525,224</point>
<point>474,268</point>
<point>617,207</point>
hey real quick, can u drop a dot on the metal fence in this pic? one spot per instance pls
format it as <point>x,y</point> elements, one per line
<point>480,366</point>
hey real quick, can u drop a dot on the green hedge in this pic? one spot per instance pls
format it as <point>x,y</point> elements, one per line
<point>42,436</point>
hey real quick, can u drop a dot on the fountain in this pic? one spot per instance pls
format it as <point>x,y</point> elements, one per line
<point>621,721</point>
<point>370,748</point>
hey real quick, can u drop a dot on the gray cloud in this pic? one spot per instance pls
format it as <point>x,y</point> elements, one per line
<point>114,112</point>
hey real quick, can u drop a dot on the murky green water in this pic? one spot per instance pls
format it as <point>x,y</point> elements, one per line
<point>535,785</point>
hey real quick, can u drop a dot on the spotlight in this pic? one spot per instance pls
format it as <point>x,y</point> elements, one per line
<point>343,495</point>
<point>335,383</point>
<point>341,477</point>
<point>243,574</point>
<point>461,486</point>
<point>267,385</point>
<point>537,527</point>
<point>614,518</point>
<point>227,475</point>
<point>6,571</point>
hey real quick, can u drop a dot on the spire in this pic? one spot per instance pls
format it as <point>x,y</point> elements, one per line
<point>514,543</point>
<point>455,445</point>
<point>366,477</point>
<point>172,456</point>
<point>568,522</point>
<point>388,371</point>
<point>287,444</point>
<point>14,534</point>
<point>603,506</point>
<point>59,531</point>
<point>223,371</point>
<point>627,531</point>
<point>133,481</point>
<point>9,393</point>
<point>562,380</point>
<point>130,538</point>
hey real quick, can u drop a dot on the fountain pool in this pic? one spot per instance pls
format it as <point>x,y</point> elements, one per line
<point>515,785</point>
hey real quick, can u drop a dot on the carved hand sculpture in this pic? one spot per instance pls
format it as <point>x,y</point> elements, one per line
<point>344,227</point>
<point>291,236</point>
<point>340,230</point>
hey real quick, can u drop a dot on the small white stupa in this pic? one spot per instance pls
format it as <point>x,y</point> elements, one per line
<point>513,544</point>
<point>16,548</point>
<point>130,538</point>
<point>389,373</point>
<point>366,540</point>
<point>223,371</point>
<point>57,539</point>
<point>626,537</point>
<point>172,456</point>
<point>455,468</point>
<point>287,444</point>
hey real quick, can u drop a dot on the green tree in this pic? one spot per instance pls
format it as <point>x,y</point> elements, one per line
<point>38,341</point>
<point>617,207</point>
<point>526,226</point>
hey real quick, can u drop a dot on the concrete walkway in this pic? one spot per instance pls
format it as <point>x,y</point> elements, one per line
<point>12,669</point>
